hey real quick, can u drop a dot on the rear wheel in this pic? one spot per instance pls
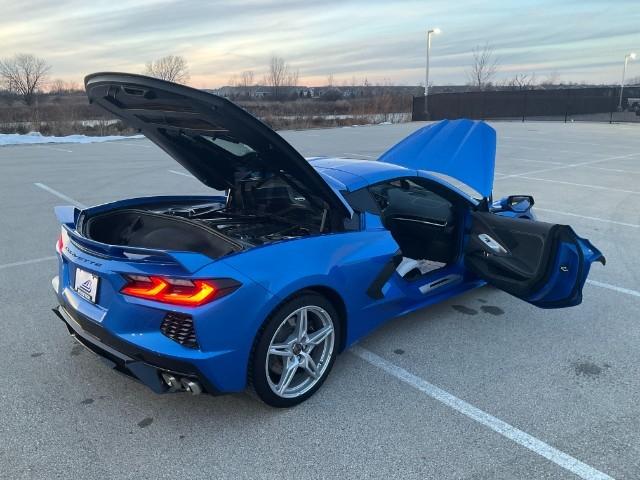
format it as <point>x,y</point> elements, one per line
<point>295,351</point>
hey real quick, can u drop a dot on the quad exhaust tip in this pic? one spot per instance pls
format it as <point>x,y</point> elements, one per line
<point>182,384</point>
<point>190,386</point>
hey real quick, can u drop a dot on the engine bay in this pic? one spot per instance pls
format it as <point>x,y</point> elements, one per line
<point>250,228</point>
<point>260,209</point>
<point>256,211</point>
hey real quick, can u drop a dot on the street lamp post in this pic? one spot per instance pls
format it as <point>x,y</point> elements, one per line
<point>631,56</point>
<point>426,85</point>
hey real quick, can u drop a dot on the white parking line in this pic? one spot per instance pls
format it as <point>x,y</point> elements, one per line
<point>59,194</point>
<point>536,161</point>
<point>184,174</point>
<point>571,165</point>
<point>586,185</point>
<point>514,434</point>
<point>617,170</point>
<point>546,140</point>
<point>55,148</point>
<point>133,145</point>
<point>538,148</point>
<point>359,155</point>
<point>627,291</point>
<point>632,225</point>
<point>27,262</point>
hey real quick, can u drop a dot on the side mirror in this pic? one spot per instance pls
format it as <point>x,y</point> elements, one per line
<point>517,203</point>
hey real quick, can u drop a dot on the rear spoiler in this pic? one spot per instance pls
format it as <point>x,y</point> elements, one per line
<point>190,261</point>
<point>67,214</point>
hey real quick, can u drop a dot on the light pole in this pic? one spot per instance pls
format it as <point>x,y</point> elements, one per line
<point>631,56</point>
<point>426,85</point>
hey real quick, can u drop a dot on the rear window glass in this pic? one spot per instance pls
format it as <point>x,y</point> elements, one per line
<point>192,123</point>
<point>237,149</point>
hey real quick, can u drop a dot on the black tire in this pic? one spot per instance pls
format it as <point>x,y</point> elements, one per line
<point>257,372</point>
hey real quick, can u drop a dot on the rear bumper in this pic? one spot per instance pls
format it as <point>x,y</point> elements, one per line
<point>142,365</point>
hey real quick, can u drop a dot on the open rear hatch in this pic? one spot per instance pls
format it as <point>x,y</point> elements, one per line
<point>215,140</point>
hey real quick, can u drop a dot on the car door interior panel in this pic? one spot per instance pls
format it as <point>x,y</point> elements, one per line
<point>542,263</point>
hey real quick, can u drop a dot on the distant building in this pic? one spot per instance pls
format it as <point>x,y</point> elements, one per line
<point>300,91</point>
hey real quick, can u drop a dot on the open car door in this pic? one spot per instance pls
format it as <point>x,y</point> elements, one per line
<point>541,263</point>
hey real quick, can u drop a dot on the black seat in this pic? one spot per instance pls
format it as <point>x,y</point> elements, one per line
<point>422,223</point>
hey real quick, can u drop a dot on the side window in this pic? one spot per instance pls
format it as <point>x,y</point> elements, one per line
<point>404,196</point>
<point>361,201</point>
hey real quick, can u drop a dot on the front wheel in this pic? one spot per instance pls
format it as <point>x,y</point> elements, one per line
<point>295,351</point>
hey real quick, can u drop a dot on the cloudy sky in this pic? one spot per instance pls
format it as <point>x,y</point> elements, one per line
<point>383,41</point>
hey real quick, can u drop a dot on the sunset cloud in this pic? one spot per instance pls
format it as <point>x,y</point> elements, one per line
<point>379,40</point>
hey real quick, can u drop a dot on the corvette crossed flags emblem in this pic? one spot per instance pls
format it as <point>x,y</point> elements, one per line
<point>86,286</point>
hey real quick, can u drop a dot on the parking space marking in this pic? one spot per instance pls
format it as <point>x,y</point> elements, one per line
<point>554,150</point>
<point>617,170</point>
<point>571,165</point>
<point>585,185</point>
<point>565,141</point>
<point>519,159</point>
<point>55,148</point>
<point>176,172</point>
<point>627,291</point>
<point>134,145</point>
<point>27,262</point>
<point>624,224</point>
<point>59,194</point>
<point>510,432</point>
<point>359,155</point>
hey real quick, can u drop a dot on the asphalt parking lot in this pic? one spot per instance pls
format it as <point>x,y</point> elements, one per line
<point>564,379</point>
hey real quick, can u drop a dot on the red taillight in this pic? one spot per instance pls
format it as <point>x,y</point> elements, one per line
<point>60,242</point>
<point>176,291</point>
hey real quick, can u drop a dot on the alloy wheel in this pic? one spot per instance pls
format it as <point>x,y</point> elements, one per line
<point>300,351</point>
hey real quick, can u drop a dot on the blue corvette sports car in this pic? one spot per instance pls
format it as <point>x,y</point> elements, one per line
<point>264,284</point>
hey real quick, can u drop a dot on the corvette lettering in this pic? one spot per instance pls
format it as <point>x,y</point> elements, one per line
<point>82,259</point>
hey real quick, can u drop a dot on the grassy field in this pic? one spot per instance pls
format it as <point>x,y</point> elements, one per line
<point>70,113</point>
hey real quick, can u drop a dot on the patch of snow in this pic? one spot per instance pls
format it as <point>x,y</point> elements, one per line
<point>35,138</point>
<point>385,123</point>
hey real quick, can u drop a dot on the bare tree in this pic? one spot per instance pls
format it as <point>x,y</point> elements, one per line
<point>483,68</point>
<point>551,80</point>
<point>521,81</point>
<point>277,74</point>
<point>172,68</point>
<point>246,79</point>
<point>292,78</point>
<point>72,86</point>
<point>24,74</point>
<point>280,75</point>
<point>330,80</point>
<point>60,86</point>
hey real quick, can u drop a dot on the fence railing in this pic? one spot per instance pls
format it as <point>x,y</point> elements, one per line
<point>562,104</point>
